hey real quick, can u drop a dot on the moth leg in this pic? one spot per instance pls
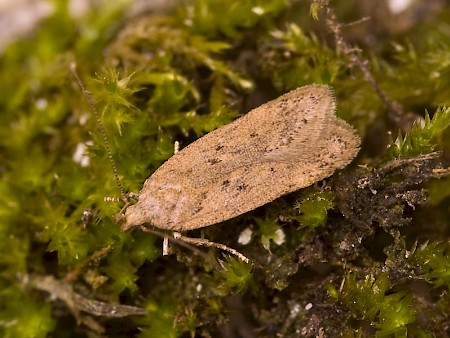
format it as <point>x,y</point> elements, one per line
<point>166,248</point>
<point>176,147</point>
<point>207,243</point>
<point>191,243</point>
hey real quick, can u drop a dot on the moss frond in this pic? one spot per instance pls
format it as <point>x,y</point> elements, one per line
<point>22,316</point>
<point>422,138</point>
<point>160,321</point>
<point>369,300</point>
<point>314,208</point>
<point>234,276</point>
<point>433,259</point>
<point>270,231</point>
<point>212,18</point>
<point>292,58</point>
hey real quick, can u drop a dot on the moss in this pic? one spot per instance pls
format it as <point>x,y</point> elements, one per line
<point>314,207</point>
<point>270,231</point>
<point>420,139</point>
<point>234,276</point>
<point>25,317</point>
<point>367,299</point>
<point>433,260</point>
<point>379,225</point>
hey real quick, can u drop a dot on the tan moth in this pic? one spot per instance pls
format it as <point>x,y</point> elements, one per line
<point>282,146</point>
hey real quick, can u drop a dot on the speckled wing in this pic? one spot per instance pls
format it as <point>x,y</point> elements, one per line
<point>284,145</point>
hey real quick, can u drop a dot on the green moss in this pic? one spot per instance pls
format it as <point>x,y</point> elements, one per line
<point>368,299</point>
<point>434,261</point>
<point>314,207</point>
<point>292,58</point>
<point>160,321</point>
<point>270,231</point>
<point>212,18</point>
<point>23,316</point>
<point>234,276</point>
<point>421,139</point>
<point>174,76</point>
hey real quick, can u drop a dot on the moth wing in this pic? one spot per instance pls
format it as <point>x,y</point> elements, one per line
<point>279,147</point>
<point>249,187</point>
<point>308,116</point>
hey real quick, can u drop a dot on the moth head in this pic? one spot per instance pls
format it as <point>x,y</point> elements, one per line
<point>121,218</point>
<point>160,208</point>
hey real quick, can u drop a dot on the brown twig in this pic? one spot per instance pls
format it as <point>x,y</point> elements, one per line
<point>96,256</point>
<point>77,303</point>
<point>396,111</point>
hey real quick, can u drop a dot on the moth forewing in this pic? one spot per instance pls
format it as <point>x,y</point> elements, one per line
<point>284,145</point>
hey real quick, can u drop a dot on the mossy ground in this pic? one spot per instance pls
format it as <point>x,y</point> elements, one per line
<point>363,253</point>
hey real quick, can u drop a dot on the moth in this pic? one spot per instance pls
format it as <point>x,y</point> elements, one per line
<point>277,148</point>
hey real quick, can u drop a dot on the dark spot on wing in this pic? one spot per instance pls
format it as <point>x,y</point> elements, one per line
<point>213,160</point>
<point>242,187</point>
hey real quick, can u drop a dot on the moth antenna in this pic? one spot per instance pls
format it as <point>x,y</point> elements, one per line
<point>88,98</point>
